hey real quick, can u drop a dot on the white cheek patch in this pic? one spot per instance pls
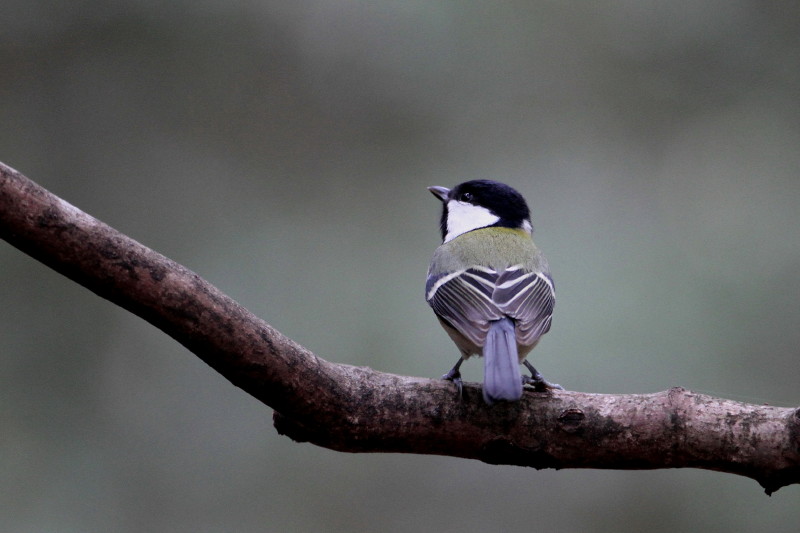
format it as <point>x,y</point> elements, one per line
<point>463,217</point>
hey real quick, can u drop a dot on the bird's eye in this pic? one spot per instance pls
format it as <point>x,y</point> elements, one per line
<point>465,197</point>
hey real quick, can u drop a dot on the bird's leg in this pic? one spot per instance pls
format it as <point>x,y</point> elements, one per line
<point>454,375</point>
<point>537,380</point>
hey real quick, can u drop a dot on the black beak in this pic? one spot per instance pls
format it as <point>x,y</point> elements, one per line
<point>440,192</point>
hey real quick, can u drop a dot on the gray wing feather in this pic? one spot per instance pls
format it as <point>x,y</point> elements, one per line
<point>464,300</point>
<point>469,299</point>
<point>529,298</point>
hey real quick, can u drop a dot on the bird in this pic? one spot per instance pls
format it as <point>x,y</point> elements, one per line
<point>490,286</point>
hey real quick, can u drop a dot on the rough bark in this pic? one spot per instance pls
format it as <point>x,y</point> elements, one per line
<point>357,409</point>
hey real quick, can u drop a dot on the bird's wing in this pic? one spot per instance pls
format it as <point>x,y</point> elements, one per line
<point>464,299</point>
<point>528,297</point>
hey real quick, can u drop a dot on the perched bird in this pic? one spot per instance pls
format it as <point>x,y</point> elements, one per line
<point>490,286</point>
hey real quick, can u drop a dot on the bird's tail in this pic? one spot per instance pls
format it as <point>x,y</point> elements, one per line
<point>501,377</point>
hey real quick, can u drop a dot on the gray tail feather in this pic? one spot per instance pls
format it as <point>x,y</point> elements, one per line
<point>501,376</point>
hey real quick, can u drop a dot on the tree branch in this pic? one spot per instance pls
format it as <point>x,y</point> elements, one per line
<point>357,409</point>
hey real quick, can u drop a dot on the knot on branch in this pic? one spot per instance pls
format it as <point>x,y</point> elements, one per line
<point>571,420</point>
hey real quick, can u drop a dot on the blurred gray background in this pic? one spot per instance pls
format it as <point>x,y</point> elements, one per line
<point>282,150</point>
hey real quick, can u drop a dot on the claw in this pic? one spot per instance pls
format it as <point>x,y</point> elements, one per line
<point>456,379</point>
<point>537,381</point>
<point>454,375</point>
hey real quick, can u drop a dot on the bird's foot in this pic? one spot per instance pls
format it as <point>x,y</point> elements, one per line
<point>454,375</point>
<point>537,381</point>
